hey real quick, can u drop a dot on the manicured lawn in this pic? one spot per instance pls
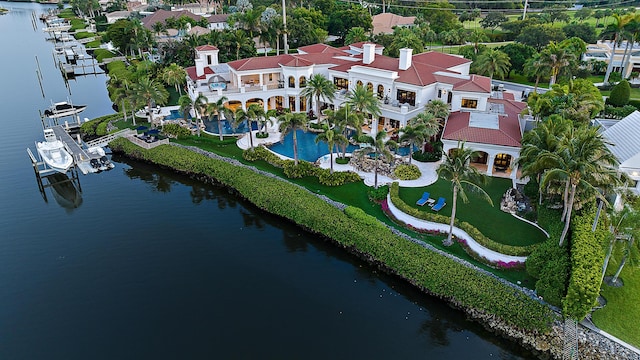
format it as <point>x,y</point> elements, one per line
<point>490,220</point>
<point>621,316</point>
<point>634,94</point>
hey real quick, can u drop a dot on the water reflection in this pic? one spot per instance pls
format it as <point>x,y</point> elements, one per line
<point>65,190</point>
<point>158,181</point>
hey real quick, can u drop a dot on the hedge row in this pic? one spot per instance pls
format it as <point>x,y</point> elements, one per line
<point>587,259</point>
<point>98,126</point>
<point>437,274</point>
<point>468,228</point>
<point>304,168</point>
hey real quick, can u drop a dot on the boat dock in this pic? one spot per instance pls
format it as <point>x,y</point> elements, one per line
<point>80,157</point>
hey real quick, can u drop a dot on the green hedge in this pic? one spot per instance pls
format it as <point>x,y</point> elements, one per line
<point>83,35</point>
<point>439,275</point>
<point>468,228</point>
<point>407,172</point>
<point>587,259</point>
<point>176,130</point>
<point>101,54</point>
<point>98,126</point>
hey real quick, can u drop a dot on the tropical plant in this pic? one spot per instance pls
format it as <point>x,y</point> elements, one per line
<point>342,120</point>
<point>493,62</point>
<point>200,109</point>
<point>414,135</point>
<point>457,169</point>
<point>319,87</point>
<point>217,108</point>
<point>290,122</point>
<point>438,108</point>
<point>363,101</point>
<point>583,160</point>
<point>174,75</point>
<point>555,58</point>
<point>354,35</point>
<point>151,92</point>
<point>186,105</point>
<point>330,137</point>
<point>613,31</point>
<point>381,148</point>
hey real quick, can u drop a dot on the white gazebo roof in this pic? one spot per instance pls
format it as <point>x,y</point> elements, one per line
<point>625,137</point>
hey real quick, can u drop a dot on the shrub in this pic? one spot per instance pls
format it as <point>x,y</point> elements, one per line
<point>620,94</point>
<point>378,194</point>
<point>337,178</point>
<point>98,126</point>
<point>262,135</point>
<point>549,263</point>
<point>343,160</point>
<point>407,172</point>
<point>293,171</point>
<point>363,218</point>
<point>437,274</point>
<point>101,54</point>
<point>176,130</point>
<point>468,228</point>
<point>261,153</point>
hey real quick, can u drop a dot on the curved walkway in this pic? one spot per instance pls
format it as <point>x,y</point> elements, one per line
<point>482,251</point>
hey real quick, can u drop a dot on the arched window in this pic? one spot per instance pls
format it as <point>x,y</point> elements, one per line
<point>380,91</point>
<point>292,82</point>
<point>359,83</point>
<point>303,81</point>
<point>369,87</point>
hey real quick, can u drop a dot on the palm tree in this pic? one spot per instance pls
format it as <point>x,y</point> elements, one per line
<point>363,101</point>
<point>318,87</point>
<point>534,68</point>
<point>613,32</point>
<point>175,75</point>
<point>624,226</point>
<point>290,122</point>
<point>151,92</point>
<point>342,120</point>
<point>216,108</point>
<point>331,138</point>
<point>381,148</point>
<point>584,160</point>
<point>438,108</point>
<point>556,58</point>
<point>200,109</point>
<point>431,125</point>
<point>493,62</point>
<point>354,35</point>
<point>186,105</point>
<point>413,135</point>
<point>238,117</point>
<point>477,36</point>
<point>464,177</point>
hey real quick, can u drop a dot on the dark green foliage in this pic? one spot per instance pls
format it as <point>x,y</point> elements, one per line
<point>293,171</point>
<point>101,54</point>
<point>538,36</point>
<point>468,228</point>
<point>407,172</point>
<point>583,31</point>
<point>337,178</point>
<point>343,161</point>
<point>587,258</point>
<point>439,275</point>
<point>378,194</point>
<point>176,130</point>
<point>363,218</point>
<point>549,263</point>
<point>531,189</point>
<point>98,126</point>
<point>518,55</point>
<point>614,112</point>
<point>620,94</point>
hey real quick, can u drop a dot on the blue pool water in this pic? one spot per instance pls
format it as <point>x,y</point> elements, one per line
<point>307,148</point>
<point>227,129</point>
<point>176,114</point>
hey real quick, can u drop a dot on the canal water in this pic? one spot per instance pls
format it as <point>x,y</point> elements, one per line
<point>150,265</point>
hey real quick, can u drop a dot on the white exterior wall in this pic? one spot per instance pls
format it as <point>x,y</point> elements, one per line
<point>459,95</point>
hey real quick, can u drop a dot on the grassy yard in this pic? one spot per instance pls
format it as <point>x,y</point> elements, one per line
<point>490,220</point>
<point>621,316</point>
<point>634,94</point>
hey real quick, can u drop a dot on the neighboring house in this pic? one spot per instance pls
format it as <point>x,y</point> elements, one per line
<point>403,86</point>
<point>384,23</point>
<point>198,30</point>
<point>602,52</point>
<point>218,21</point>
<point>112,17</point>
<point>624,136</point>
<point>163,15</point>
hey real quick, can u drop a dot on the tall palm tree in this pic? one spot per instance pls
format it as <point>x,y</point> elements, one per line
<point>632,31</point>
<point>431,123</point>
<point>318,87</point>
<point>175,75</point>
<point>477,36</point>
<point>343,120</point>
<point>556,58</point>
<point>534,68</point>
<point>363,101</point>
<point>290,122</point>
<point>381,148</point>
<point>186,105</point>
<point>613,31</point>
<point>200,109</point>
<point>413,135</point>
<point>493,62</point>
<point>239,116</point>
<point>463,177</point>
<point>354,35</point>
<point>216,108</point>
<point>331,138</point>
<point>584,160</point>
<point>151,92</point>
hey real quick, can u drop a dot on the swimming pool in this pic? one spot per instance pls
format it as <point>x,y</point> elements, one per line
<point>175,115</point>
<point>227,129</point>
<point>307,148</point>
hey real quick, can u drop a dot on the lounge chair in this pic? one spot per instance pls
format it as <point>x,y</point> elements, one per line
<point>439,204</point>
<point>423,200</point>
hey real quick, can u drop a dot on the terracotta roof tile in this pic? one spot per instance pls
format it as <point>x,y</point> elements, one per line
<point>384,23</point>
<point>206,48</point>
<point>191,72</point>
<point>508,134</point>
<point>438,59</point>
<point>163,15</point>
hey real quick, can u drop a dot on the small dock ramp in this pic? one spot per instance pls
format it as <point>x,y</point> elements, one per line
<point>105,140</point>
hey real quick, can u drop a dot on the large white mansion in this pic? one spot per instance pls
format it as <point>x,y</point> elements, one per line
<point>486,120</point>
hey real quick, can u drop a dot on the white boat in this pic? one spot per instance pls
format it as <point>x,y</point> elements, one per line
<point>53,152</point>
<point>62,109</point>
<point>99,159</point>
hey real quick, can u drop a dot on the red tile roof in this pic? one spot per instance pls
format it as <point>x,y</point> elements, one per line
<point>439,59</point>
<point>163,15</point>
<point>384,23</point>
<point>217,18</point>
<point>508,132</point>
<point>206,48</point>
<point>191,71</point>
<point>319,48</point>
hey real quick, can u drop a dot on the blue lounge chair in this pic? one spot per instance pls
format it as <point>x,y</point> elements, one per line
<point>439,204</point>
<point>423,200</point>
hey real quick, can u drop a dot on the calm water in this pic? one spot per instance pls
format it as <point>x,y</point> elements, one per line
<point>153,266</point>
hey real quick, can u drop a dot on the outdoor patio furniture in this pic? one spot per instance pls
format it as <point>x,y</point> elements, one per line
<point>423,200</point>
<point>439,204</point>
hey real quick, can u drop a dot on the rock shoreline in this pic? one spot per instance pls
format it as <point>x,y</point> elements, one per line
<point>592,345</point>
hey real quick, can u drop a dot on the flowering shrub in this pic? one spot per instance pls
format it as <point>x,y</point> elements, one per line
<point>407,172</point>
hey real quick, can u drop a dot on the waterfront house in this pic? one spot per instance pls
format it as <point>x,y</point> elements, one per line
<point>488,121</point>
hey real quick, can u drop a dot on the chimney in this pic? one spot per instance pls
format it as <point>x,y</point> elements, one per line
<point>405,58</point>
<point>368,53</point>
<point>199,67</point>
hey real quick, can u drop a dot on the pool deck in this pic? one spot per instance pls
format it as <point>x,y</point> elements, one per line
<point>428,170</point>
